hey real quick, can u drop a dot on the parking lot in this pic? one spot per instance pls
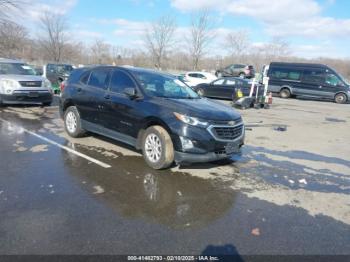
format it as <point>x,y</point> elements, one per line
<point>288,193</point>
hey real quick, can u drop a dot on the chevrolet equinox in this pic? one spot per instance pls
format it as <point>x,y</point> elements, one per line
<point>151,111</point>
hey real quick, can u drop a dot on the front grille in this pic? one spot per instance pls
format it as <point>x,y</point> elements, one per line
<point>227,133</point>
<point>30,83</point>
<point>226,122</point>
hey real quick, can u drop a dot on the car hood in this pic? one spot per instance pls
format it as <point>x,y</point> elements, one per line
<point>22,77</point>
<point>202,108</point>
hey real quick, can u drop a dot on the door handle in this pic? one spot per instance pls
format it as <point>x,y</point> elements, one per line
<point>107,96</point>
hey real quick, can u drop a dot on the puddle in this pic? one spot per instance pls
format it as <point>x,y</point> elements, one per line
<point>134,190</point>
<point>335,120</point>
<point>280,128</point>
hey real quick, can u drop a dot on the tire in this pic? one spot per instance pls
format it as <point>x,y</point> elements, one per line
<point>241,75</point>
<point>72,122</point>
<point>157,148</point>
<point>285,93</point>
<point>340,98</point>
<point>47,103</point>
<point>219,74</point>
<point>200,92</point>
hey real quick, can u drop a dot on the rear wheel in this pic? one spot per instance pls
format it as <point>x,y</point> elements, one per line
<point>340,98</point>
<point>157,148</point>
<point>72,122</point>
<point>285,93</point>
<point>242,75</point>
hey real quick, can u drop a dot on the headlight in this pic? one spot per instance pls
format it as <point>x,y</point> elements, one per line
<point>47,83</point>
<point>8,85</point>
<point>193,121</point>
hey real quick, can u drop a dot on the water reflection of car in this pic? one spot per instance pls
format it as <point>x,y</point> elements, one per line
<point>224,88</point>
<point>57,73</point>
<point>19,84</point>
<point>136,192</point>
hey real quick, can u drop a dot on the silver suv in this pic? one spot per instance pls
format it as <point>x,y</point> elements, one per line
<point>19,84</point>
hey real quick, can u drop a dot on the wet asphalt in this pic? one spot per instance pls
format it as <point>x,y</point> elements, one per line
<point>54,202</point>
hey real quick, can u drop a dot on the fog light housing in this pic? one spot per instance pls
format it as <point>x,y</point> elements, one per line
<point>186,143</point>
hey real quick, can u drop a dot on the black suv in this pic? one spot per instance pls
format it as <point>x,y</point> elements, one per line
<point>152,111</point>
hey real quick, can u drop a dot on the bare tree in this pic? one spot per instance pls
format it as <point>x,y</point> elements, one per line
<point>12,39</point>
<point>53,38</point>
<point>101,52</point>
<point>159,38</point>
<point>278,48</point>
<point>237,44</point>
<point>201,35</point>
<point>7,7</point>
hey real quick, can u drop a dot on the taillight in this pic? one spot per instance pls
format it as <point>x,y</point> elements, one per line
<point>62,86</point>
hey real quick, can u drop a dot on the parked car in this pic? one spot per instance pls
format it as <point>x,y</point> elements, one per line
<point>225,87</point>
<point>57,73</point>
<point>152,111</point>
<point>308,80</point>
<point>196,78</point>
<point>19,84</point>
<point>181,77</point>
<point>236,70</point>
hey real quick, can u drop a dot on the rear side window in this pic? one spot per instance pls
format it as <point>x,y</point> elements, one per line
<point>85,78</point>
<point>98,78</point>
<point>120,81</point>
<point>314,75</point>
<point>285,73</point>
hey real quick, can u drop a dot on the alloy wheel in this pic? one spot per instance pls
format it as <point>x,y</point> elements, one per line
<point>71,122</point>
<point>153,147</point>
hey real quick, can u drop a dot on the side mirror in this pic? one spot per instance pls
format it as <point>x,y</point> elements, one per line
<point>130,92</point>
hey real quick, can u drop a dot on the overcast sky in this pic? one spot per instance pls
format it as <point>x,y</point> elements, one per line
<point>312,27</point>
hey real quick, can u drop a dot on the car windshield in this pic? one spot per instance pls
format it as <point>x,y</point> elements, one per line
<point>344,79</point>
<point>16,69</point>
<point>60,68</point>
<point>160,85</point>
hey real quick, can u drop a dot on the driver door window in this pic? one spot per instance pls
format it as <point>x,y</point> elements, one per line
<point>333,80</point>
<point>120,81</point>
<point>219,82</point>
<point>230,82</point>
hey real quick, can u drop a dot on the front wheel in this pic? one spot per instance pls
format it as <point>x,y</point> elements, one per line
<point>340,98</point>
<point>157,148</point>
<point>72,122</point>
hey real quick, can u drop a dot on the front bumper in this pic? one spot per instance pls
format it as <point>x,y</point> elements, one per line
<point>206,147</point>
<point>32,97</point>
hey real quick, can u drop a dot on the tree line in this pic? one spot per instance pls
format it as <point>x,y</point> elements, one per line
<point>194,48</point>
